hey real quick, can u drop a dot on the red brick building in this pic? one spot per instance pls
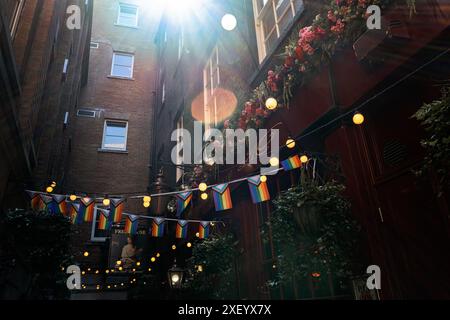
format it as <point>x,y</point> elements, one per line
<point>44,66</point>
<point>405,225</point>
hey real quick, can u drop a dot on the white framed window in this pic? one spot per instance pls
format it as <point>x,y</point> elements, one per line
<point>272,17</point>
<point>122,65</point>
<point>128,15</point>
<point>94,45</point>
<point>211,81</point>
<point>96,234</point>
<point>115,135</point>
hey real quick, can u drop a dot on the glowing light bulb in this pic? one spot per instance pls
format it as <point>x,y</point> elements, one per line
<point>189,244</point>
<point>202,187</point>
<point>106,202</point>
<point>174,247</point>
<point>290,143</point>
<point>304,159</point>
<point>271,103</point>
<point>197,234</point>
<point>73,197</point>
<point>86,254</point>
<point>358,118</point>
<point>175,278</point>
<point>153,259</point>
<point>263,178</point>
<point>158,255</point>
<point>147,199</point>
<point>49,189</point>
<point>229,22</point>
<point>274,161</point>
<point>204,196</point>
<point>146,204</point>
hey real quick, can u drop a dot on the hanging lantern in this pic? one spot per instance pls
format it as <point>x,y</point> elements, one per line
<point>358,118</point>
<point>175,276</point>
<point>271,103</point>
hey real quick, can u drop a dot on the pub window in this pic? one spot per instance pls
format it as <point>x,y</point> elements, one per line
<point>122,65</point>
<point>128,15</point>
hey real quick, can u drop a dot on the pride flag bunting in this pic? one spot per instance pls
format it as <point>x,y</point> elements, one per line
<point>87,208</point>
<point>104,222</point>
<point>116,210</point>
<point>45,203</point>
<point>158,227</point>
<point>59,205</point>
<point>131,224</point>
<point>222,197</point>
<point>76,216</point>
<point>258,189</point>
<point>291,163</point>
<point>203,230</point>
<point>182,229</point>
<point>183,201</point>
<point>35,199</point>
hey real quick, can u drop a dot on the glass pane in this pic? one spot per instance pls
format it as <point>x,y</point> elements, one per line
<point>282,6</point>
<point>128,10</point>
<point>116,129</point>
<point>298,5</point>
<point>283,21</point>
<point>270,41</point>
<point>123,60</point>
<point>112,142</point>
<point>120,71</point>
<point>268,20</point>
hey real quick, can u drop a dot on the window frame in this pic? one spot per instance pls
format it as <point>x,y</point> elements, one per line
<point>115,53</point>
<point>210,86</point>
<point>105,127</point>
<point>118,23</point>
<point>262,36</point>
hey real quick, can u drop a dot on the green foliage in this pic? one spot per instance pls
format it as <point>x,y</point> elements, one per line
<point>215,257</point>
<point>435,117</point>
<point>38,244</point>
<point>312,231</point>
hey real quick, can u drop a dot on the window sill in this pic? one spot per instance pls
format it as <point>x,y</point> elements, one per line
<point>125,26</point>
<point>121,78</point>
<point>112,151</point>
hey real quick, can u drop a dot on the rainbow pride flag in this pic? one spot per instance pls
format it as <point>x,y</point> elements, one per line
<point>222,197</point>
<point>258,189</point>
<point>76,216</point>
<point>104,222</point>
<point>158,227</point>
<point>183,201</point>
<point>203,230</point>
<point>182,229</point>
<point>59,205</point>
<point>45,203</point>
<point>87,206</point>
<point>131,224</point>
<point>116,210</point>
<point>291,163</point>
<point>35,199</point>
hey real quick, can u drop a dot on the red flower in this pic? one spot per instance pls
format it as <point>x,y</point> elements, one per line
<point>299,53</point>
<point>289,61</point>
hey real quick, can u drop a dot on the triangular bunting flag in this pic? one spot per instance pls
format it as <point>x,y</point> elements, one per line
<point>35,199</point>
<point>87,206</point>
<point>258,189</point>
<point>182,229</point>
<point>45,203</point>
<point>76,216</point>
<point>222,197</point>
<point>183,201</point>
<point>158,227</point>
<point>203,230</point>
<point>131,224</point>
<point>104,222</point>
<point>116,210</point>
<point>291,163</point>
<point>59,205</point>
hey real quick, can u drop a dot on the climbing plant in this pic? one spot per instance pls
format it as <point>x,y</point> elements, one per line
<point>435,118</point>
